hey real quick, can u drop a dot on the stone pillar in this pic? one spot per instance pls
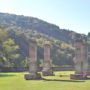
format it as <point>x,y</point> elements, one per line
<point>47,69</point>
<point>33,62</point>
<point>84,56</point>
<point>88,59</point>
<point>80,59</point>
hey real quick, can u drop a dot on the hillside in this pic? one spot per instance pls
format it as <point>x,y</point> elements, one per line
<point>21,28</point>
<point>25,23</point>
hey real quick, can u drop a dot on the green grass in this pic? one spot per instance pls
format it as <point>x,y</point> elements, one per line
<point>15,81</point>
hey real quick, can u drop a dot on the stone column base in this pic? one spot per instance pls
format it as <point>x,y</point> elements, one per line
<point>77,76</point>
<point>47,73</point>
<point>88,73</point>
<point>30,76</point>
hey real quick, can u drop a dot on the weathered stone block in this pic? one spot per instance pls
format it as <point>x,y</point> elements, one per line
<point>32,76</point>
<point>88,73</point>
<point>77,76</point>
<point>48,73</point>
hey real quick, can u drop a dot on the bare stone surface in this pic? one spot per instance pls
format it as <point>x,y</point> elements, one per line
<point>89,73</point>
<point>47,72</point>
<point>77,76</point>
<point>33,72</point>
<point>81,58</point>
<point>88,61</point>
<point>32,76</point>
<point>47,69</point>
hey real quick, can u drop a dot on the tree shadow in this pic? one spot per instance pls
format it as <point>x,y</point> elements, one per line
<point>6,75</point>
<point>63,80</point>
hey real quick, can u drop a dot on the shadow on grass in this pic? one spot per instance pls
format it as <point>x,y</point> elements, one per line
<point>88,78</point>
<point>6,75</point>
<point>64,80</point>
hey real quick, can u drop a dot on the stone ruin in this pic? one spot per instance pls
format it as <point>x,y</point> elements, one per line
<point>47,68</point>
<point>80,60</point>
<point>33,68</point>
<point>33,72</point>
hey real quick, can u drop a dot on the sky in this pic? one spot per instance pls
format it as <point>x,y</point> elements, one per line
<point>67,14</point>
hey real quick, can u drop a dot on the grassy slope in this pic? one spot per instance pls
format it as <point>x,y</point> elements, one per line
<point>15,81</point>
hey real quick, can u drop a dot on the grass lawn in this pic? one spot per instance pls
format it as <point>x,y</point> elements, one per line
<point>15,81</point>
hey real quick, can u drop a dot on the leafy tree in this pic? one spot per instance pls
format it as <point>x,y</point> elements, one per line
<point>7,49</point>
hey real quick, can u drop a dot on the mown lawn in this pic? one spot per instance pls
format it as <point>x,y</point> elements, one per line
<point>15,81</point>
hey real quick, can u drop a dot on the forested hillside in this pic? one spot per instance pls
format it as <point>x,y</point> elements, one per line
<point>25,23</point>
<point>21,28</point>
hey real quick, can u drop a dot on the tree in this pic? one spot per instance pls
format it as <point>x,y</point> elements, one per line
<point>8,49</point>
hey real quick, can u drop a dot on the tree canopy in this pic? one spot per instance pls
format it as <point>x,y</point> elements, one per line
<point>7,49</point>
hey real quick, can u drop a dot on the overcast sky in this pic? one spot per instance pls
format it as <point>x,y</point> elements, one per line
<point>68,14</point>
